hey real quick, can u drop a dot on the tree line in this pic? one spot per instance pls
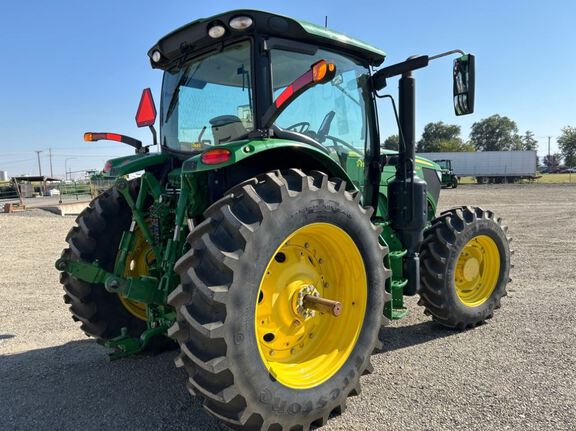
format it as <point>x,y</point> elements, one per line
<point>495,133</point>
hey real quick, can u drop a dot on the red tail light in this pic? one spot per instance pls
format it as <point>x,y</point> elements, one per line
<point>216,156</point>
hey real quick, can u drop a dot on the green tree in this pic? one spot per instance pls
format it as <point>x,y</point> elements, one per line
<point>494,133</point>
<point>439,135</point>
<point>453,145</point>
<point>567,144</point>
<point>517,143</point>
<point>391,143</point>
<point>529,142</point>
<point>552,161</point>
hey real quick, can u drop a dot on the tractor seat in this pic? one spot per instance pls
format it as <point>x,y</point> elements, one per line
<point>227,128</point>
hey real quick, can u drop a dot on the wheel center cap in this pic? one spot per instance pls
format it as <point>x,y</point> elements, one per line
<point>471,269</point>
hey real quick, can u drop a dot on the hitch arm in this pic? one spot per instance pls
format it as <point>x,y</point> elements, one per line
<point>142,289</point>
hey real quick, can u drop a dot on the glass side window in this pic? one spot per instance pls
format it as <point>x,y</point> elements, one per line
<point>334,114</point>
<point>208,100</point>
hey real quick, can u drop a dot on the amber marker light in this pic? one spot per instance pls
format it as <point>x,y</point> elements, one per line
<point>323,71</point>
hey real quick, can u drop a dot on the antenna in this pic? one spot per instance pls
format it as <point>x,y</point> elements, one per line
<point>326,21</point>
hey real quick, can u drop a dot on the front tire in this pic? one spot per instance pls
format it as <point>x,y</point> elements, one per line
<point>234,306</point>
<point>465,265</point>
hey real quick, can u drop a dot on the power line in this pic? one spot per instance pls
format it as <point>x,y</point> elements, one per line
<point>12,162</point>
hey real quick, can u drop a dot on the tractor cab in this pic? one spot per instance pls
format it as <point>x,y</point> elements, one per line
<point>247,75</point>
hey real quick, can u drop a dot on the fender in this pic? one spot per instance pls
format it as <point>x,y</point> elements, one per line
<point>247,150</point>
<point>129,164</point>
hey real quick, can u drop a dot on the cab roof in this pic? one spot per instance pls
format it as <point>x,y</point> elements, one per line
<point>194,36</point>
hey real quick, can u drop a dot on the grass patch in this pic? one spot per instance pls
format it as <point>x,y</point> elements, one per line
<point>544,179</point>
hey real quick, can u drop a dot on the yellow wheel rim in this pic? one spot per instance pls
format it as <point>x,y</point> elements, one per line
<point>300,347</point>
<point>137,264</point>
<point>477,271</point>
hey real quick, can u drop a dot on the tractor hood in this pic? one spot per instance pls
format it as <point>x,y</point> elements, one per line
<point>194,37</point>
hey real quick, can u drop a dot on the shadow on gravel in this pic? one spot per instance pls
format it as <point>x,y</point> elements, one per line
<point>73,387</point>
<point>395,338</point>
<point>6,336</point>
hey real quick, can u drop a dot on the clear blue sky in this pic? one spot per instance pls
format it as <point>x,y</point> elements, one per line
<point>67,67</point>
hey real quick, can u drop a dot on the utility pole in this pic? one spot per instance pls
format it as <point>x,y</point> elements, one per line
<point>50,157</point>
<point>549,147</point>
<point>39,165</point>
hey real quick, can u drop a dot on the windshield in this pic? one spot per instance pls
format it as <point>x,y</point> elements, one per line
<point>334,114</point>
<point>444,164</point>
<point>208,100</point>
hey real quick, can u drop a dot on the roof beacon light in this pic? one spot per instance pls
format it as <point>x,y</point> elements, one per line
<point>156,56</point>
<point>216,31</point>
<point>241,22</point>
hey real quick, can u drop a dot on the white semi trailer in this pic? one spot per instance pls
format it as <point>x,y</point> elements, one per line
<point>490,166</point>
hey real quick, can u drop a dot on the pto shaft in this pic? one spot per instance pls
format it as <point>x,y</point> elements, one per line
<point>322,304</point>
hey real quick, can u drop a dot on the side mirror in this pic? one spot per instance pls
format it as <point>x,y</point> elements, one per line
<point>146,114</point>
<point>464,84</point>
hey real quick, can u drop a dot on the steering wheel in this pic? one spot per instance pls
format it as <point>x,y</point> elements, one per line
<point>300,127</point>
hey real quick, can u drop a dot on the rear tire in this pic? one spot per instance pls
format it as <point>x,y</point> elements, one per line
<point>96,237</point>
<point>220,290</point>
<point>465,265</point>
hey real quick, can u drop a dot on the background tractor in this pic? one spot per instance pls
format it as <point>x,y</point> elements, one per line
<point>449,179</point>
<point>270,238</point>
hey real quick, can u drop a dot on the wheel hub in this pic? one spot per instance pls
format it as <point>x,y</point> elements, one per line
<point>301,309</point>
<point>477,271</point>
<point>137,264</point>
<point>311,305</point>
<point>471,269</point>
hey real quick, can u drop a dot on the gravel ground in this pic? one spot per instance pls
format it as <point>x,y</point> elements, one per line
<point>516,372</point>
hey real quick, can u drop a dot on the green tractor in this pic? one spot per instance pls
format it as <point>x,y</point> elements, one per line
<point>449,179</point>
<point>270,239</point>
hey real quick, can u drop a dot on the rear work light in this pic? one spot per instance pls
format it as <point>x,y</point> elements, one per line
<point>216,156</point>
<point>216,31</point>
<point>241,22</point>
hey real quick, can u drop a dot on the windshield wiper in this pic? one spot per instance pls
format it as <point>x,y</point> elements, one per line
<point>345,92</point>
<point>174,101</point>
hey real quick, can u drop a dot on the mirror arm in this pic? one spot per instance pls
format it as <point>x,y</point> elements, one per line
<point>154,135</point>
<point>444,54</point>
<point>413,63</point>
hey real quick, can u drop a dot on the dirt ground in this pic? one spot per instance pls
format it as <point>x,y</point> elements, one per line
<point>516,372</point>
